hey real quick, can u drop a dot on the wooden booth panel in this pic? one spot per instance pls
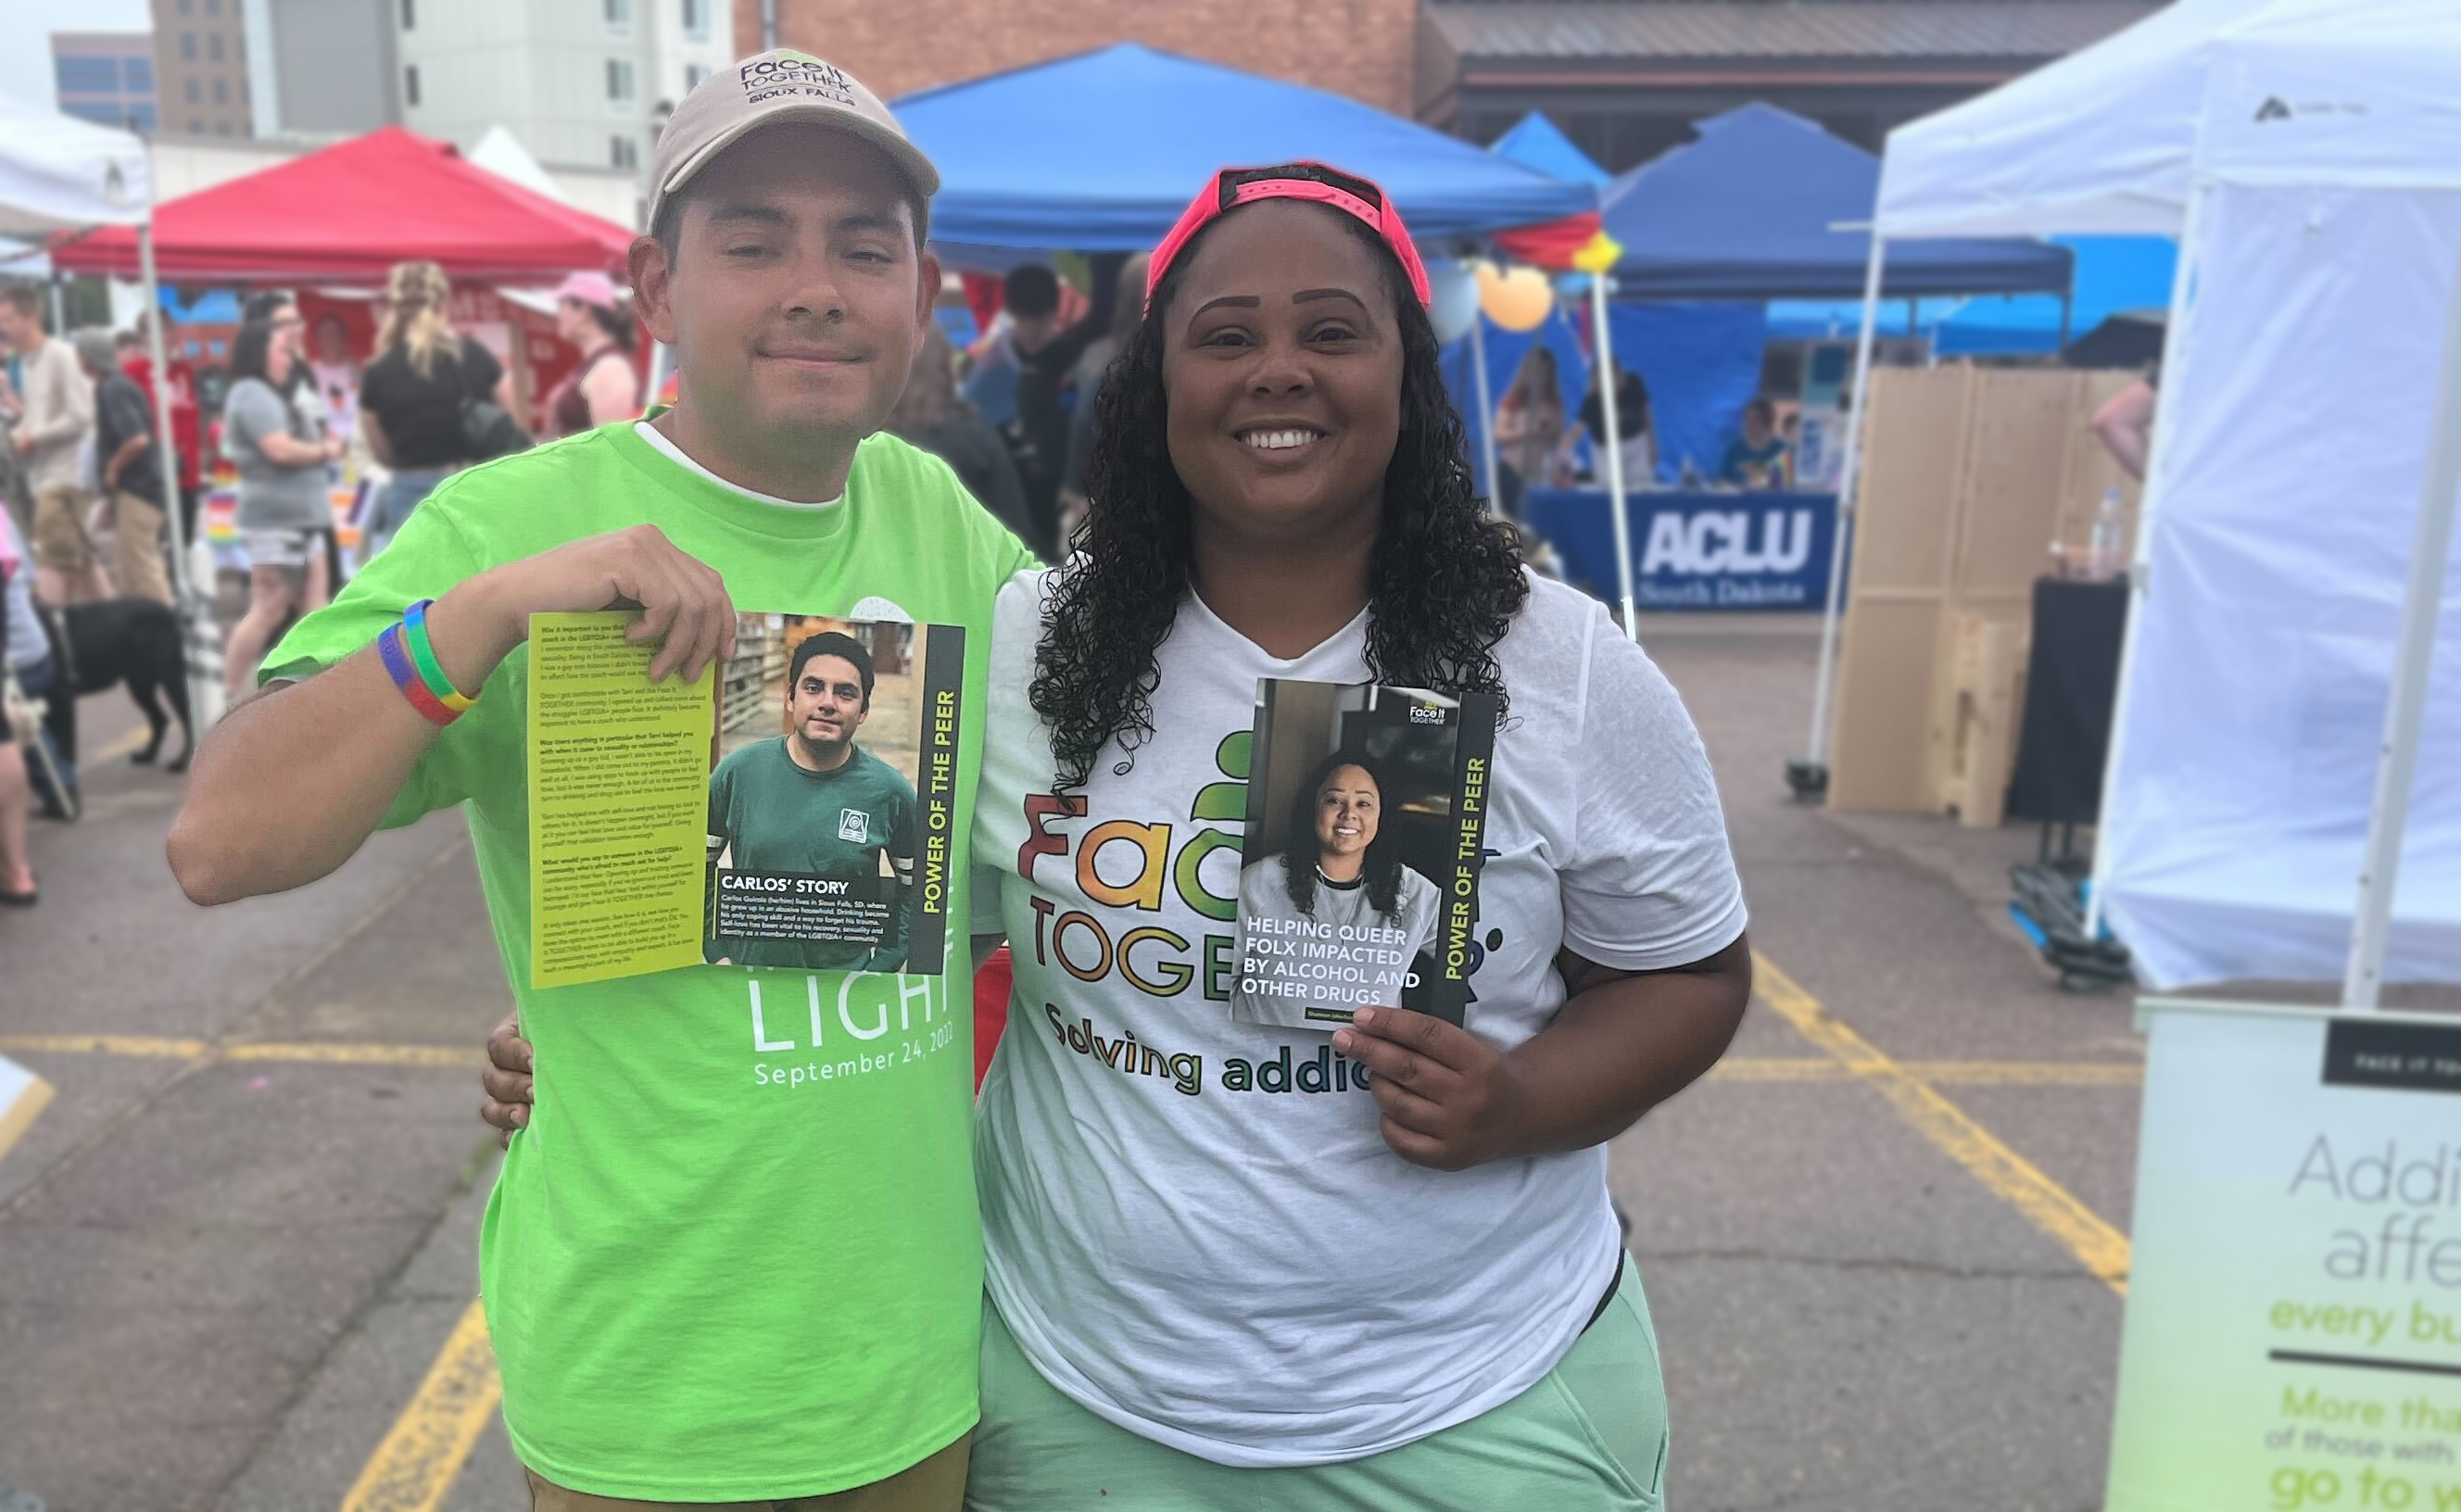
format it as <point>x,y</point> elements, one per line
<point>1905,509</point>
<point>1971,475</point>
<point>2022,424</point>
<point>1879,752</point>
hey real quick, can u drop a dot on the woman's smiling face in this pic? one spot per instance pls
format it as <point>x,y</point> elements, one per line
<point>1347,809</point>
<point>1283,365</point>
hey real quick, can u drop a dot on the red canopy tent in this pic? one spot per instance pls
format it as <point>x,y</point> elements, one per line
<point>346,214</point>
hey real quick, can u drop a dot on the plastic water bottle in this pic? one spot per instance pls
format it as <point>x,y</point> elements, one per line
<point>2102,555</point>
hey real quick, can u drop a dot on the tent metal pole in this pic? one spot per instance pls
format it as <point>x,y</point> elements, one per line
<point>2141,559</point>
<point>1485,402</point>
<point>1613,444</point>
<point>2429,560</point>
<point>202,640</point>
<point>1809,776</point>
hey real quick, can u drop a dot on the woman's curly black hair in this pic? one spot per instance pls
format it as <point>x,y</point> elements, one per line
<point>1381,869</point>
<point>1443,585</point>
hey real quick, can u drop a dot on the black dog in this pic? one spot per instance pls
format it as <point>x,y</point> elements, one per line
<point>136,642</point>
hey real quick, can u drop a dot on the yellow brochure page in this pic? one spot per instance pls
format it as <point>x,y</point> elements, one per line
<point>619,804</point>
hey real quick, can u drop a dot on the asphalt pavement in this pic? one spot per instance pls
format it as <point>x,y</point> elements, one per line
<point>1883,1244</point>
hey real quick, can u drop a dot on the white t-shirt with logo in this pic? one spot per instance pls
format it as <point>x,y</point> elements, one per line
<point>1192,1226</point>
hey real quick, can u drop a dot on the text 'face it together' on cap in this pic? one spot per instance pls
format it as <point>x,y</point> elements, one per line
<point>766,89</point>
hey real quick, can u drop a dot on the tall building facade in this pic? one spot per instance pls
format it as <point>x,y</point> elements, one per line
<point>325,68</point>
<point>201,68</point>
<point>581,83</point>
<point>106,77</point>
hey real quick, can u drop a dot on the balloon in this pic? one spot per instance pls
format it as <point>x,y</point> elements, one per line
<point>1517,300</point>
<point>1454,305</point>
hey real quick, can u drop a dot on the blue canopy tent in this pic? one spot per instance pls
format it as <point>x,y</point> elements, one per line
<point>1701,360</point>
<point>2113,274</point>
<point>1755,210</point>
<point>1765,205</point>
<point>1535,141</point>
<point>1101,151</point>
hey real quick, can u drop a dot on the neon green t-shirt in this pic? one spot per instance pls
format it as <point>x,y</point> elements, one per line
<point>734,1256</point>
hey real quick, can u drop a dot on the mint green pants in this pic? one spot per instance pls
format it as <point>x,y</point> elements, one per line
<point>1591,1437</point>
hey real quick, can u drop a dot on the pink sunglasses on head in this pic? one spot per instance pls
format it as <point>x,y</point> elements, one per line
<point>1313,182</point>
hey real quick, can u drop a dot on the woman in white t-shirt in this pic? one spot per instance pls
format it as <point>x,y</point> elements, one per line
<point>1337,868</point>
<point>1231,1266</point>
<point>1177,1206</point>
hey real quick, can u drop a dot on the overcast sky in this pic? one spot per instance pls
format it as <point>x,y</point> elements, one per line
<point>26,27</point>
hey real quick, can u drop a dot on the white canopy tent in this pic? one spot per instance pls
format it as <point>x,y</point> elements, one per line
<point>2292,665</point>
<point>60,174</point>
<point>500,153</point>
<point>2099,142</point>
<point>2277,666</point>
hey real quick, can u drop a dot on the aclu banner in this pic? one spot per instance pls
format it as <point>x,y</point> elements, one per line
<point>1713,551</point>
<point>2293,1338</point>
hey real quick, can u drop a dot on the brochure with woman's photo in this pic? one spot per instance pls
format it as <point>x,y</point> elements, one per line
<point>1358,877</point>
<point>791,810</point>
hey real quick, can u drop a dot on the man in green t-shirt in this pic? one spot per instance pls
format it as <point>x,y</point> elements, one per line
<point>734,1255</point>
<point>813,803</point>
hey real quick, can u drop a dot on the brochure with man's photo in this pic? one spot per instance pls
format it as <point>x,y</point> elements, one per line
<point>1359,875</point>
<point>792,809</point>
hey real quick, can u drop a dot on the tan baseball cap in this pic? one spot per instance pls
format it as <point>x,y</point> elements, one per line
<point>764,90</point>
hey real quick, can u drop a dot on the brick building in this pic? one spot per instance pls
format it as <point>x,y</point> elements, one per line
<point>1623,77</point>
<point>1367,49</point>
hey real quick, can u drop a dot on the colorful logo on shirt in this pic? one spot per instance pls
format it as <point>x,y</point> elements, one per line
<point>1131,865</point>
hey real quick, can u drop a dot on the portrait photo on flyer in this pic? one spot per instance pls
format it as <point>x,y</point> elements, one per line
<point>791,807</point>
<point>1359,875</point>
<point>833,794</point>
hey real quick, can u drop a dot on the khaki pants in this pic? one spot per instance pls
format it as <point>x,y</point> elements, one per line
<point>936,1484</point>
<point>60,540</point>
<point>137,561</point>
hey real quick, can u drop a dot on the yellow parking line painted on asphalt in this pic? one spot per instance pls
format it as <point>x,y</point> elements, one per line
<point>312,1053</point>
<point>2102,1249</point>
<point>1788,1068</point>
<point>2027,1073</point>
<point>442,1056</point>
<point>1940,1073</point>
<point>423,1453</point>
<point>138,1044</point>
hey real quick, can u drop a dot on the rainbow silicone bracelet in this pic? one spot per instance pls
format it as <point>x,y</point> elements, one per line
<point>396,664</point>
<point>422,655</point>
